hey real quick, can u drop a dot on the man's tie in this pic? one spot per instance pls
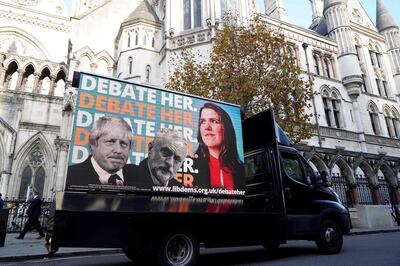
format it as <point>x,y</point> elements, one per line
<point>113,179</point>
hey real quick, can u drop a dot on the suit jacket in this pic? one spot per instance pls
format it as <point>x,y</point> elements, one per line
<point>34,209</point>
<point>143,178</point>
<point>84,174</point>
<point>202,179</point>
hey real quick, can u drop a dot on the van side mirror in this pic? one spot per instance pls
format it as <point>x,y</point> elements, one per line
<point>325,178</point>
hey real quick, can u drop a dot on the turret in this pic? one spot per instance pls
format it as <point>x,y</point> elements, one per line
<point>138,44</point>
<point>338,27</point>
<point>317,12</point>
<point>276,9</point>
<point>388,28</point>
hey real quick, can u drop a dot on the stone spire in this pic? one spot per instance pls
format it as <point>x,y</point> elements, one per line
<point>143,12</point>
<point>276,9</point>
<point>383,19</point>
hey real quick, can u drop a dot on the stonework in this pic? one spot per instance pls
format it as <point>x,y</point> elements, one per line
<point>355,65</point>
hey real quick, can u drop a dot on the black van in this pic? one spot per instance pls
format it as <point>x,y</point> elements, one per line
<point>284,200</point>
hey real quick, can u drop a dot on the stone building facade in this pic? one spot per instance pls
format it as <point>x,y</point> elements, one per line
<point>354,61</point>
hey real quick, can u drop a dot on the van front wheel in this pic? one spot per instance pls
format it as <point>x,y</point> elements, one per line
<point>330,238</point>
<point>178,249</point>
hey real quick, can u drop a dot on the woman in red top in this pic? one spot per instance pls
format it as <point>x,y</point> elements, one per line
<point>217,148</point>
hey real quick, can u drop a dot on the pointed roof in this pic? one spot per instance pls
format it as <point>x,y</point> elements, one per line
<point>142,12</point>
<point>329,3</point>
<point>322,28</point>
<point>383,19</point>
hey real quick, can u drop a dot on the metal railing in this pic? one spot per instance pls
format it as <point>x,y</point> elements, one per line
<point>17,215</point>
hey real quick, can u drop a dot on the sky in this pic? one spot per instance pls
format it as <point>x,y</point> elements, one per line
<point>303,7</point>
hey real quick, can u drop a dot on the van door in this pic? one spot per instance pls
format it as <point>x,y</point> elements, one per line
<point>303,215</point>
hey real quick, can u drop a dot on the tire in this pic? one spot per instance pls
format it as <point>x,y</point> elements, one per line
<point>51,245</point>
<point>330,237</point>
<point>178,249</point>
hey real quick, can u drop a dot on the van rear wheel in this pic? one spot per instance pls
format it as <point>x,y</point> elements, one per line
<point>330,238</point>
<point>178,249</point>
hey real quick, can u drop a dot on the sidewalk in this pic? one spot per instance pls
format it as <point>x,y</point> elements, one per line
<point>31,248</point>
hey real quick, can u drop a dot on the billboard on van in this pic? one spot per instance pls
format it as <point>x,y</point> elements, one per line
<point>130,137</point>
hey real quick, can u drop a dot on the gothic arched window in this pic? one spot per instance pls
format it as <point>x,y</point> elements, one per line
<point>130,64</point>
<point>396,124</point>
<point>332,109</point>
<point>373,115</point>
<point>328,67</point>
<point>148,73</point>
<point>33,173</point>
<point>26,179</point>
<point>316,64</point>
<point>191,14</point>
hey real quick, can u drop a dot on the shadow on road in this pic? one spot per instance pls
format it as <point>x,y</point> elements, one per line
<point>254,255</point>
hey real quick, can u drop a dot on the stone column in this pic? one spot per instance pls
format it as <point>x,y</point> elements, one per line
<point>62,146</point>
<point>36,88</point>
<point>359,123</point>
<point>353,193</point>
<point>2,81</point>
<point>395,195</point>
<point>19,80</point>
<point>375,194</point>
<point>52,85</point>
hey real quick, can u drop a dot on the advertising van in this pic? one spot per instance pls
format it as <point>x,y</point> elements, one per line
<point>159,173</point>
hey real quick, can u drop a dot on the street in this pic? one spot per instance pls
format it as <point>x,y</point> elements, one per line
<point>372,249</point>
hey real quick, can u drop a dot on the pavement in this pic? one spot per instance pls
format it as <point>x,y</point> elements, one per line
<point>32,248</point>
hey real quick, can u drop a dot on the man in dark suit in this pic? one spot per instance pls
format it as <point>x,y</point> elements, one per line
<point>34,211</point>
<point>167,152</point>
<point>110,144</point>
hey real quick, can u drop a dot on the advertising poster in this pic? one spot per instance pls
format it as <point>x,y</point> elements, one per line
<point>129,137</point>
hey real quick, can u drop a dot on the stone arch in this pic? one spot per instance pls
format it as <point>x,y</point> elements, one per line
<point>337,92</point>
<point>29,62</point>
<point>344,168</point>
<point>385,108</point>
<point>319,163</point>
<point>85,51</point>
<point>373,107</point>
<point>394,112</point>
<point>368,171</point>
<point>325,88</point>
<point>388,173</point>
<point>44,80</point>
<point>28,38</point>
<point>12,58</point>
<point>104,55</point>
<point>11,75</point>
<point>37,140</point>
<point>45,65</point>
<point>60,83</point>
<point>28,78</point>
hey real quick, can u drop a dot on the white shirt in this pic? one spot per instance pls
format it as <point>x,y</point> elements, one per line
<point>104,175</point>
